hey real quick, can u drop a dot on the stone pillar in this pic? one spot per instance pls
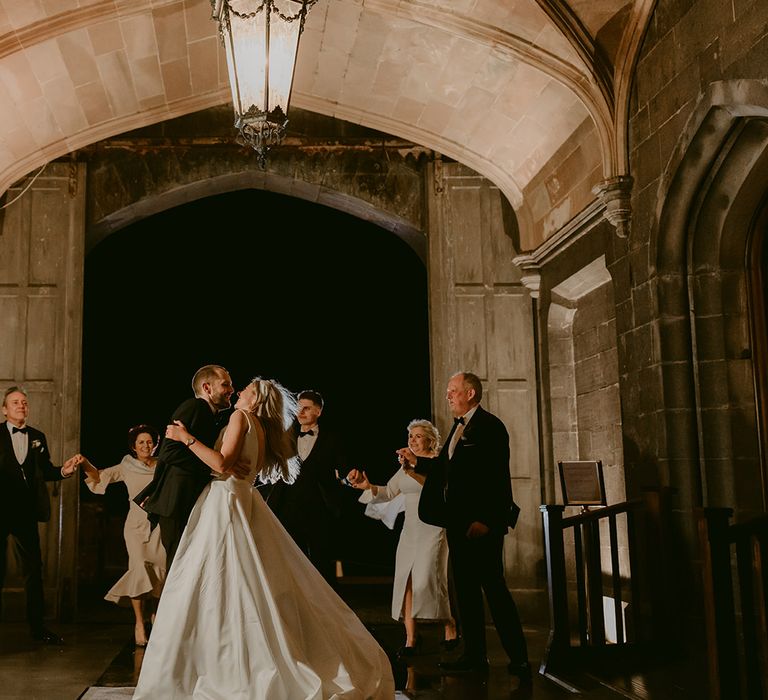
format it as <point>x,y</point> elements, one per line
<point>481,320</point>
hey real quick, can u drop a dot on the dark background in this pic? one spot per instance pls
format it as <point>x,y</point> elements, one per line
<point>266,285</point>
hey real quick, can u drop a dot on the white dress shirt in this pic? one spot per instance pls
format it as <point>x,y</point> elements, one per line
<point>306,443</point>
<point>460,430</point>
<point>20,443</point>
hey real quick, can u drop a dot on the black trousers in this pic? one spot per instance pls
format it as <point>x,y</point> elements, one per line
<point>478,568</point>
<point>317,543</point>
<point>172,526</point>
<point>170,536</point>
<point>26,539</point>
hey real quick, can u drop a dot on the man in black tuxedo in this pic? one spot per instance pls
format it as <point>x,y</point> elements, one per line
<point>180,477</point>
<point>468,491</point>
<point>25,466</point>
<point>310,507</point>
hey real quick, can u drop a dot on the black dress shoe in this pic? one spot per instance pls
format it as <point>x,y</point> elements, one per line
<point>47,637</point>
<point>523,672</point>
<point>463,665</point>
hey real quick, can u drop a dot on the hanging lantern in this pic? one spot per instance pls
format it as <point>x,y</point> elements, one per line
<point>261,39</point>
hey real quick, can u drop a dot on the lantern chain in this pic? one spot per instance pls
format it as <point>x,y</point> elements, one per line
<point>269,4</point>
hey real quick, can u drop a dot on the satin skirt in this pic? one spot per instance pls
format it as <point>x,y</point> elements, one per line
<point>245,616</point>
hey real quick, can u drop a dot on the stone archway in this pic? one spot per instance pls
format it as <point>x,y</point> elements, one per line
<point>714,185</point>
<point>150,170</point>
<point>757,296</point>
<point>480,312</point>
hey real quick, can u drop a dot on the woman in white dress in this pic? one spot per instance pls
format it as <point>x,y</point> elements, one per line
<point>141,585</point>
<point>244,615</point>
<point>420,589</point>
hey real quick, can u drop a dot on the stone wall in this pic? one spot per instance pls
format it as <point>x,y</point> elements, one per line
<point>700,81</point>
<point>563,187</point>
<point>689,46</point>
<point>597,386</point>
<point>340,165</point>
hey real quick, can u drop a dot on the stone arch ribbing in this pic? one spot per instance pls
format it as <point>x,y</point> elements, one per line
<point>710,189</point>
<point>188,192</point>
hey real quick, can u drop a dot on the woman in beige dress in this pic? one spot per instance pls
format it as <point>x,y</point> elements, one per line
<point>420,589</point>
<point>140,586</point>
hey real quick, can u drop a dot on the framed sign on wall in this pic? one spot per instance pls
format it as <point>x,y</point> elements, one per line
<point>582,483</point>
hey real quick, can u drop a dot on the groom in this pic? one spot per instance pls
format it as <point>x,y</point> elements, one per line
<point>180,477</point>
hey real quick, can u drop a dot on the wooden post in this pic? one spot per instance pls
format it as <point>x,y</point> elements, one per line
<point>559,634</point>
<point>618,610</point>
<point>722,654</point>
<point>594,582</point>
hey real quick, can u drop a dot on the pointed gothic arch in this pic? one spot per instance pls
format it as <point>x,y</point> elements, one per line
<point>712,190</point>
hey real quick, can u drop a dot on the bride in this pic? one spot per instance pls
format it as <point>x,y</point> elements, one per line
<point>244,615</point>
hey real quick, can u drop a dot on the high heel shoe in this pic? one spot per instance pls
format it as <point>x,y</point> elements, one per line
<point>406,652</point>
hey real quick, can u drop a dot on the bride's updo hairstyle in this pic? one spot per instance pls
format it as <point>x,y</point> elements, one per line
<point>277,409</point>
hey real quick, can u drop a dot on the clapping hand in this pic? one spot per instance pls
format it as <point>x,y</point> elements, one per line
<point>358,479</point>
<point>406,458</point>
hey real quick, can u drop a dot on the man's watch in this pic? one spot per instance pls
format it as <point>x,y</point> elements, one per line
<point>191,441</point>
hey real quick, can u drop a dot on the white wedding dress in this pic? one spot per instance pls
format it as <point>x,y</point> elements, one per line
<point>245,616</point>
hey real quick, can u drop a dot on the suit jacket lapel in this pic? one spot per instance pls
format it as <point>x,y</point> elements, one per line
<point>477,417</point>
<point>6,445</point>
<point>444,450</point>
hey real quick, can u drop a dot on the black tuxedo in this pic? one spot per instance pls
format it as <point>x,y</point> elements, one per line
<point>23,503</point>
<point>179,477</point>
<point>310,507</point>
<point>474,486</point>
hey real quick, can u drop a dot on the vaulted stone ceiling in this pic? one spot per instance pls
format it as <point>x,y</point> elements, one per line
<point>500,85</point>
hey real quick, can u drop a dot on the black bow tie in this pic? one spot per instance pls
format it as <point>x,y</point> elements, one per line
<point>308,432</point>
<point>459,420</point>
<point>14,429</point>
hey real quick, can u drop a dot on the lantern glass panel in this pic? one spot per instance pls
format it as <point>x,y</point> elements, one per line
<point>247,60</point>
<point>283,46</point>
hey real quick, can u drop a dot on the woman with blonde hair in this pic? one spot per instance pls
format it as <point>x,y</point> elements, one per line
<point>244,613</point>
<point>420,589</point>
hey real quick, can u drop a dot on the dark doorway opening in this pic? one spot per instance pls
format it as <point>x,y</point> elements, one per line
<point>262,284</point>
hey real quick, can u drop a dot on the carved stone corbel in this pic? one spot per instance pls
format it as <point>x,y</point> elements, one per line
<point>532,282</point>
<point>616,194</point>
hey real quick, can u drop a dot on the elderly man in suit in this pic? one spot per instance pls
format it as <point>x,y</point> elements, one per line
<point>310,507</point>
<point>180,476</point>
<point>468,491</point>
<point>25,466</point>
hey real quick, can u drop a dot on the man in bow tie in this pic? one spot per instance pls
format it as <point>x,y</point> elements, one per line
<point>25,466</point>
<point>468,491</point>
<point>310,507</point>
<point>180,476</point>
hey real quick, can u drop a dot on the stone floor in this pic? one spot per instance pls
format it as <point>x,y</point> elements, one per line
<point>100,662</point>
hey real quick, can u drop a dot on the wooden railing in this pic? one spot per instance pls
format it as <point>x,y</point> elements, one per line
<point>636,589</point>
<point>737,633</point>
